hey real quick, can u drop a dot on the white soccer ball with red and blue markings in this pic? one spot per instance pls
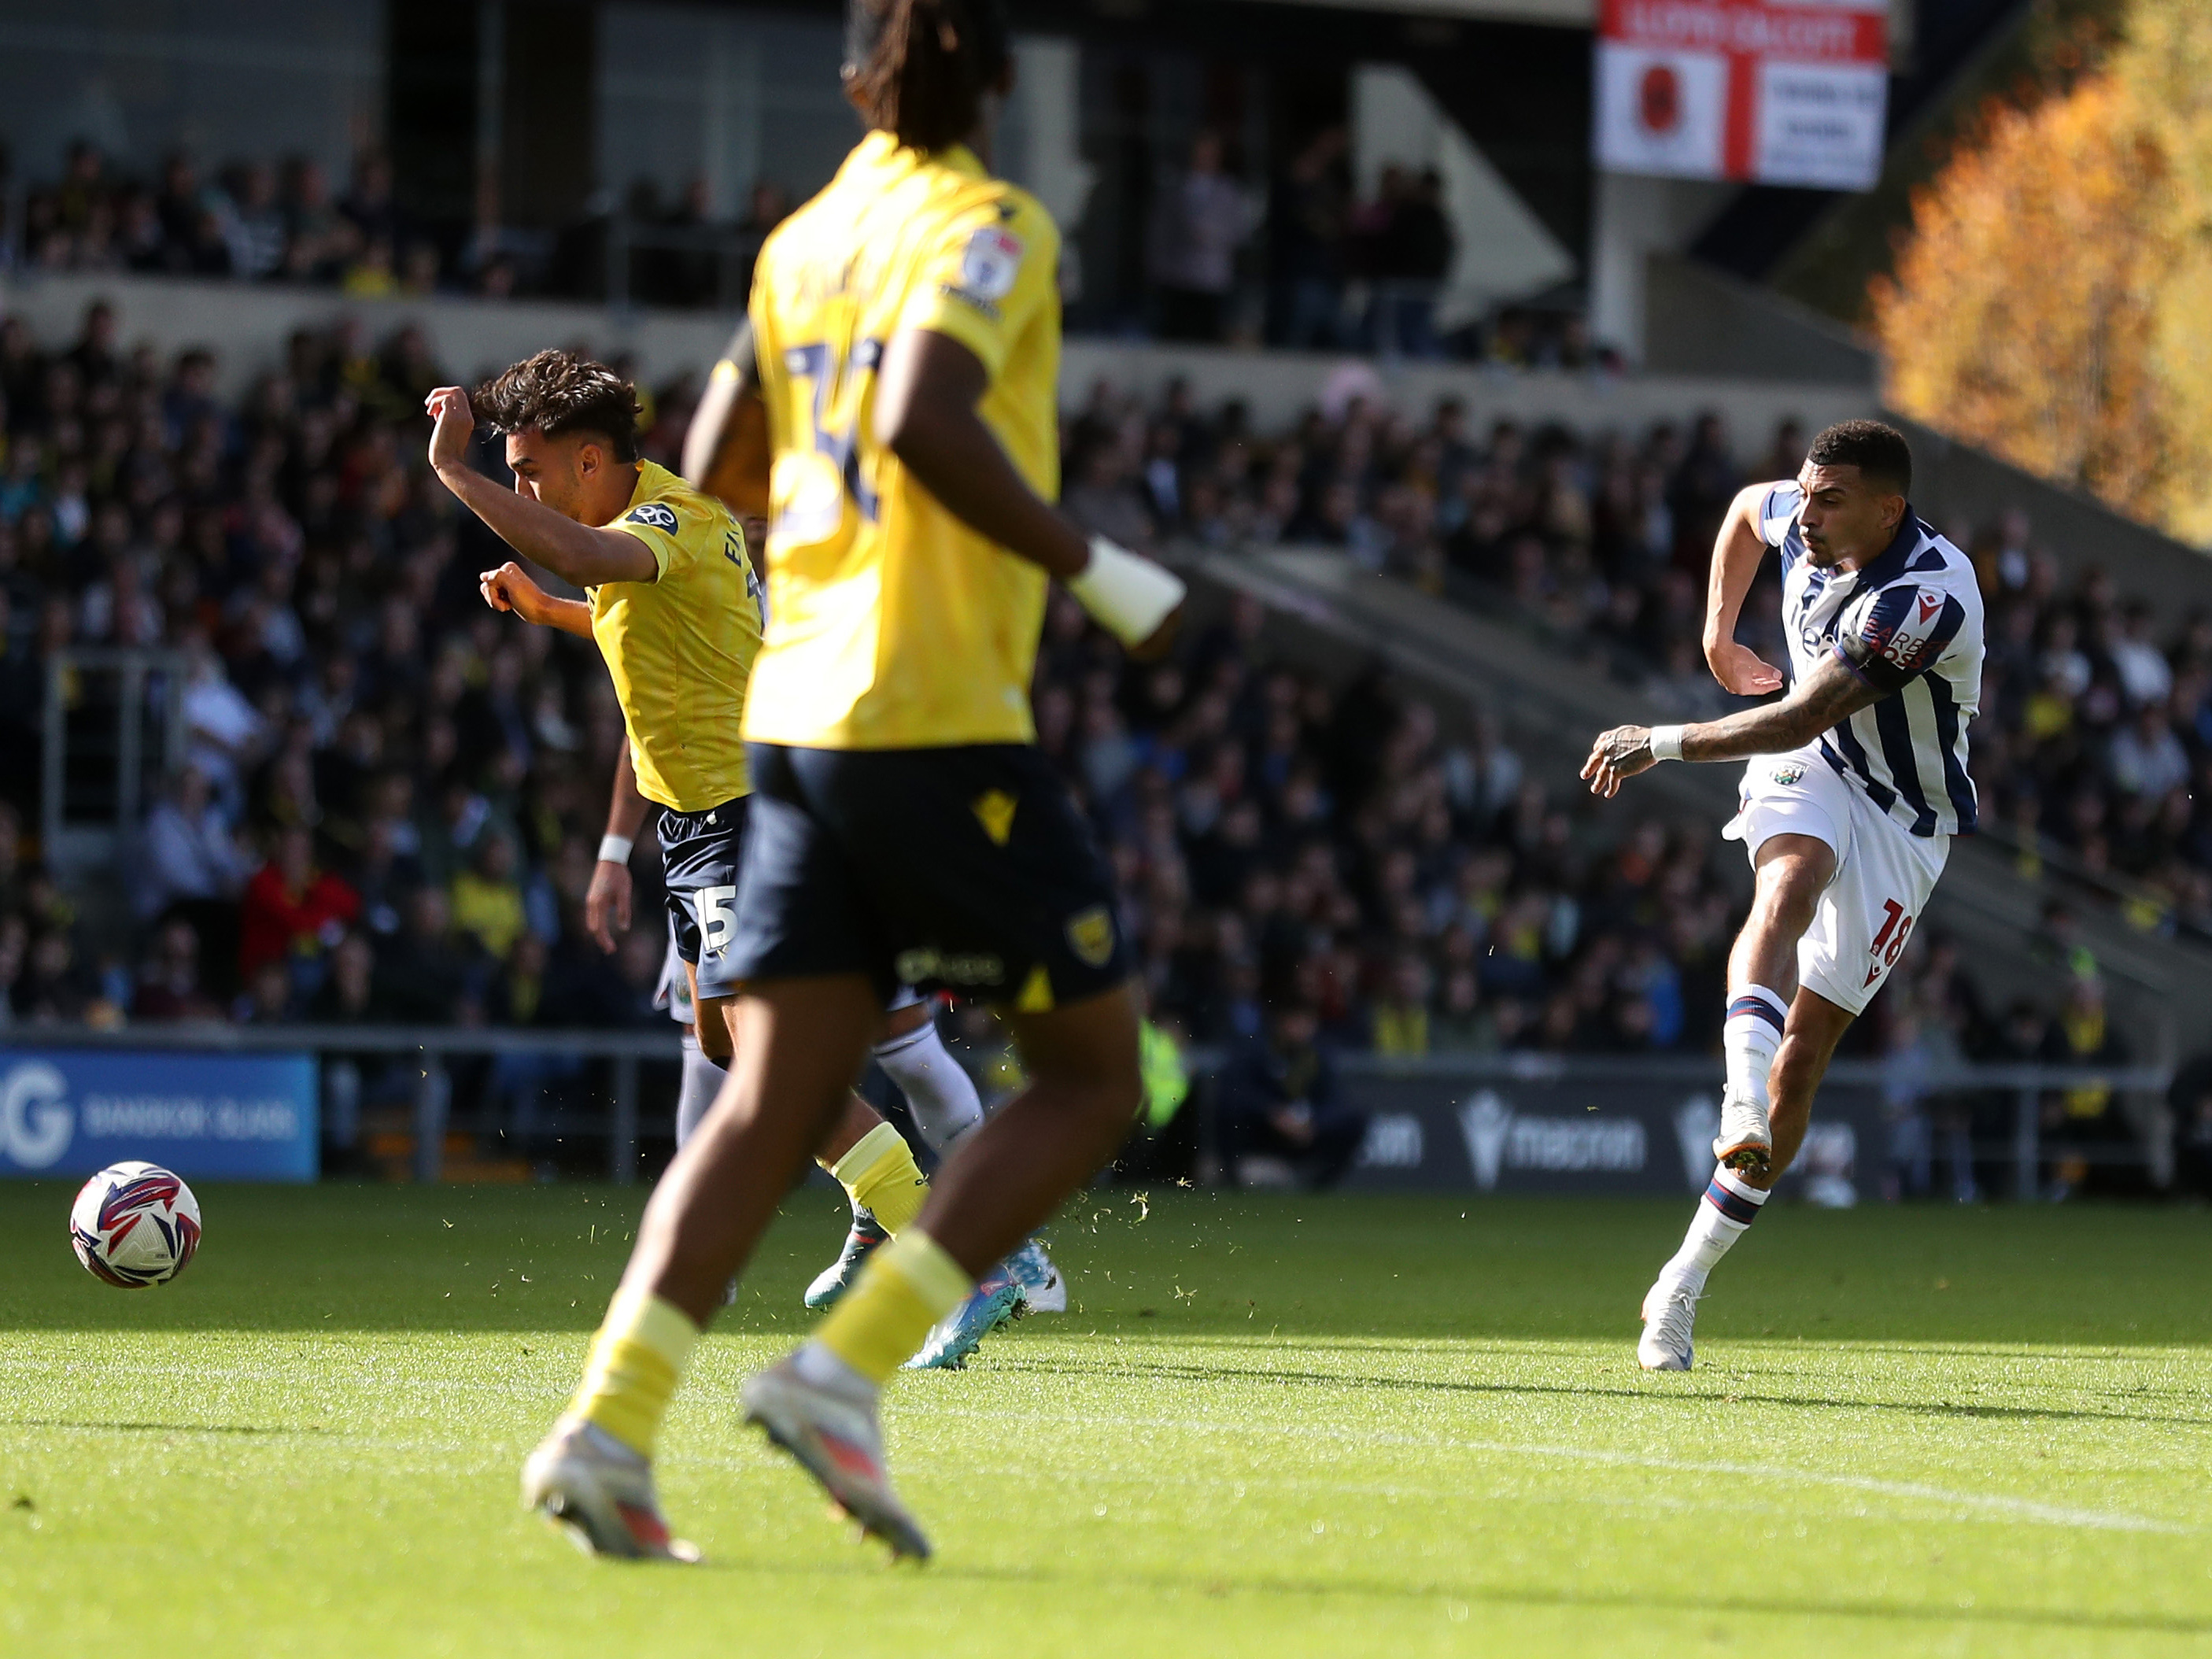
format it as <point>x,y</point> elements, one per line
<point>135,1225</point>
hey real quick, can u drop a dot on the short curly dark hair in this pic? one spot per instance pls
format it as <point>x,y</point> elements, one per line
<point>1880,452</point>
<point>557,392</point>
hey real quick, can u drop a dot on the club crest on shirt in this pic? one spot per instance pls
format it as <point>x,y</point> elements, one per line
<point>992,262</point>
<point>1790,772</point>
<point>654,516</point>
<point>1090,934</point>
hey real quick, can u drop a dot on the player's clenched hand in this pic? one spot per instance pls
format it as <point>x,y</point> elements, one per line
<point>449,440</point>
<point>1741,670</point>
<point>1616,756</point>
<point>509,588</point>
<point>606,903</point>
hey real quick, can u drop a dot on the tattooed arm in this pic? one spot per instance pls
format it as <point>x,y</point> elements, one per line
<point>1832,692</point>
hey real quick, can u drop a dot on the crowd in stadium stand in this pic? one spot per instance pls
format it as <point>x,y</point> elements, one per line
<point>394,795</point>
<point>1307,262</point>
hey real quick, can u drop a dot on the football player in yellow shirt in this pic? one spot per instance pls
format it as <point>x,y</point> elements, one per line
<point>674,606</point>
<point>906,344</point>
<point>726,431</point>
<point>679,633</point>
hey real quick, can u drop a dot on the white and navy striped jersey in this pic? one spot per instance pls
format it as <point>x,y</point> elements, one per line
<point>1910,625</point>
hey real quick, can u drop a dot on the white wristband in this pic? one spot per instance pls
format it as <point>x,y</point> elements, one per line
<point>1129,596</point>
<point>1666,743</point>
<point>615,849</point>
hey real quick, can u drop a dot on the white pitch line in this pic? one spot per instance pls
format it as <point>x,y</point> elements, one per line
<point>2012,1509</point>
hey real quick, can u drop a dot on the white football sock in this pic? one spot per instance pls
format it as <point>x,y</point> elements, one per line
<point>942,1097</point>
<point>816,1365</point>
<point>1749,1039</point>
<point>703,1081</point>
<point>1730,1207</point>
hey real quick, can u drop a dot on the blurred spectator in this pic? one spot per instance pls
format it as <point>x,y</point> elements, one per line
<point>346,996</point>
<point>268,998</point>
<point>1399,1019</point>
<point>1407,245</point>
<point>421,979</point>
<point>1280,1109</point>
<point>486,899</point>
<point>169,978</point>
<point>292,908</point>
<point>2087,1141</point>
<point>1200,219</point>
<point>187,852</point>
<point>1309,211</point>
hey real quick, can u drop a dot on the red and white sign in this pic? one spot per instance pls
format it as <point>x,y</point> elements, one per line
<point>1779,92</point>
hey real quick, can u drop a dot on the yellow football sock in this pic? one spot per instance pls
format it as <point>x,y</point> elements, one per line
<point>633,1367</point>
<point>881,1177</point>
<point>907,1286</point>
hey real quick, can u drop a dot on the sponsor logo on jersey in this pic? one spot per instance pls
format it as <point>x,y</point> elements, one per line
<point>926,962</point>
<point>654,516</point>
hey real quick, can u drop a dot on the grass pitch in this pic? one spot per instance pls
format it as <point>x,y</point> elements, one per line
<point>1276,1426</point>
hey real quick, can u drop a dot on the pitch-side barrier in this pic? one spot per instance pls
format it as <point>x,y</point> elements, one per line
<point>256,1101</point>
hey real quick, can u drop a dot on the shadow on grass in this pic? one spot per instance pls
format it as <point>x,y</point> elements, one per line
<point>94,1425</point>
<point>1028,1577</point>
<point>1669,1396</point>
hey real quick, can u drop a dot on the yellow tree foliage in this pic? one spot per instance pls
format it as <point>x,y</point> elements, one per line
<point>2022,316</point>
<point>2053,304</point>
<point>2165,73</point>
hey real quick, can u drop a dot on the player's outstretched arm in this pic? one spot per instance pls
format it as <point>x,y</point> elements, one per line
<point>1737,553</point>
<point>1833,691</point>
<point>579,553</point>
<point>925,412</point>
<point>509,588</point>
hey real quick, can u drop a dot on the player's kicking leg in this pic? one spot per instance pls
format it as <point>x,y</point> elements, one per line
<point>1840,885</point>
<point>947,1109</point>
<point>1758,1133</point>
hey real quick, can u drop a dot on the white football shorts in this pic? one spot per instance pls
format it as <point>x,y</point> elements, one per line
<point>1884,873</point>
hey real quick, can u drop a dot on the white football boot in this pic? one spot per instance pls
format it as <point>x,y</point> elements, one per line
<point>1670,1311</point>
<point>835,1436</point>
<point>1746,1142</point>
<point>600,1493</point>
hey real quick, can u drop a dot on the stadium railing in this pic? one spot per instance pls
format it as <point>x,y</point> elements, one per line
<point>432,1049</point>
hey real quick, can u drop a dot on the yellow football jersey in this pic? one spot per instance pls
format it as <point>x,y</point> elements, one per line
<point>891,624</point>
<point>680,648</point>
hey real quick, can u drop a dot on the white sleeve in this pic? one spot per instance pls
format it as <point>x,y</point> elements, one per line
<point>1777,511</point>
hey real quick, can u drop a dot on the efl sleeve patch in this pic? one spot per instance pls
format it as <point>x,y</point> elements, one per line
<point>990,263</point>
<point>654,515</point>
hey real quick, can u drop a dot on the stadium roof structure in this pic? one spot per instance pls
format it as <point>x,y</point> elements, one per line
<point>1574,14</point>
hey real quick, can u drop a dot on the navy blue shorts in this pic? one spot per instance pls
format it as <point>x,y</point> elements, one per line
<point>966,867</point>
<point>700,853</point>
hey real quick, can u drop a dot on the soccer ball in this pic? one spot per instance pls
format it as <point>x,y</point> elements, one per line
<point>135,1225</point>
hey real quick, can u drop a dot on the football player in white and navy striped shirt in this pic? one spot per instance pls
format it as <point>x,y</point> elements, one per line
<point>1856,782</point>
